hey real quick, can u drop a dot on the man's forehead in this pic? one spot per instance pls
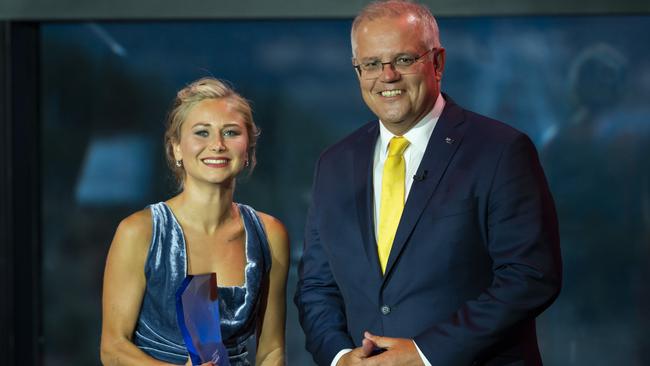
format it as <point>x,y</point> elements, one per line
<point>369,26</point>
<point>380,29</point>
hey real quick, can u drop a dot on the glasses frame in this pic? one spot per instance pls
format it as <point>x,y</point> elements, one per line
<point>357,67</point>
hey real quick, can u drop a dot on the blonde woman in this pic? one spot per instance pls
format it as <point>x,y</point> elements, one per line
<point>210,140</point>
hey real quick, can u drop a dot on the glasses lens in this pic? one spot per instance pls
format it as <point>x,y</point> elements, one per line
<point>370,74</point>
<point>403,64</point>
<point>370,69</point>
<point>404,61</point>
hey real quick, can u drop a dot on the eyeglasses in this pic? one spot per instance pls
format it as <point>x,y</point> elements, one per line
<point>403,64</point>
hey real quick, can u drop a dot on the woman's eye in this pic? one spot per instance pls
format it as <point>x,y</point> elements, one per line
<point>231,133</point>
<point>202,133</point>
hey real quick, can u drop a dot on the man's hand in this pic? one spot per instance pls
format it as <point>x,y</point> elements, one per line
<point>357,355</point>
<point>398,351</point>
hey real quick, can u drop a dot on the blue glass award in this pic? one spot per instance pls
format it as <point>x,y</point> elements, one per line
<point>197,310</point>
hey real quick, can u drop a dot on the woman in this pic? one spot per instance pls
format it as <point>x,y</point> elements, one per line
<point>210,140</point>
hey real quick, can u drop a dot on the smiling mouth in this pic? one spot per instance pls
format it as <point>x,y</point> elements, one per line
<point>390,93</point>
<point>215,161</point>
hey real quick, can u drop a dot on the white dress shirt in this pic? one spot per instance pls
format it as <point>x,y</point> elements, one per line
<point>418,136</point>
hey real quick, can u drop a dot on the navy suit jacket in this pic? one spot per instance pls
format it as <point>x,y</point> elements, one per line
<point>475,259</point>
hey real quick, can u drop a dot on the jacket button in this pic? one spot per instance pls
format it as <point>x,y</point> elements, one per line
<point>385,309</point>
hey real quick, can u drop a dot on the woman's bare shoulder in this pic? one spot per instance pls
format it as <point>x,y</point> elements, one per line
<point>135,230</point>
<point>276,232</point>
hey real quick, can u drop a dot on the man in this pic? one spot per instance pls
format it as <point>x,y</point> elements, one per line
<point>432,237</point>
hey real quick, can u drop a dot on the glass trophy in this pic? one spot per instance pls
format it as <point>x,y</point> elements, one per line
<point>197,310</point>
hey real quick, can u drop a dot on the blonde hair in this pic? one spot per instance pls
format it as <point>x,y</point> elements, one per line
<point>190,96</point>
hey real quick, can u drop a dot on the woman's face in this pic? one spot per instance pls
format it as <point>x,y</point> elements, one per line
<point>213,142</point>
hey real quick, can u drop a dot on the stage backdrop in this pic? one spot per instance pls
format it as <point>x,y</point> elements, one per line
<point>579,86</point>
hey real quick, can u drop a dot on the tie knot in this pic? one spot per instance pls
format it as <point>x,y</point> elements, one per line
<point>397,145</point>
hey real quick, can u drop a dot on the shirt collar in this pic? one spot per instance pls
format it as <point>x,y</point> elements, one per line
<point>419,134</point>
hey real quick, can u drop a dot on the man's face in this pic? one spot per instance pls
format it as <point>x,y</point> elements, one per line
<point>400,101</point>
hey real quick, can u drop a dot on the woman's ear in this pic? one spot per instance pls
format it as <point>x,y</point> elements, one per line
<point>176,147</point>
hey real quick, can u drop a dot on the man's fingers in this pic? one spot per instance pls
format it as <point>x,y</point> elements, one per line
<point>367,346</point>
<point>358,352</point>
<point>381,342</point>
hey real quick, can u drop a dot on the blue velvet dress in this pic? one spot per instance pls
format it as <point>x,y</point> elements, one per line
<point>157,332</point>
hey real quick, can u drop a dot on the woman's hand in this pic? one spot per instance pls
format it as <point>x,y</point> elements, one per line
<point>189,363</point>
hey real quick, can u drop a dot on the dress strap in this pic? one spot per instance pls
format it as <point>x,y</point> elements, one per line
<point>255,226</point>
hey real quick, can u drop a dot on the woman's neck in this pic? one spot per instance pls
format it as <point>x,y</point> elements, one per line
<point>205,207</point>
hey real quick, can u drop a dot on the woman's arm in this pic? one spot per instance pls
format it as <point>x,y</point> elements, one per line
<point>124,284</point>
<point>270,349</point>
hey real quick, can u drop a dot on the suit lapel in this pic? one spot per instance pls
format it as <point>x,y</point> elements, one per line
<point>363,154</point>
<point>444,142</point>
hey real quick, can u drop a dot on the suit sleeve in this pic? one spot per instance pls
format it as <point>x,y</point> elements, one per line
<point>319,301</point>
<point>523,243</point>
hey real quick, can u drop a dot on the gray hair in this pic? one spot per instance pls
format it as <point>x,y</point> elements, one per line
<point>395,9</point>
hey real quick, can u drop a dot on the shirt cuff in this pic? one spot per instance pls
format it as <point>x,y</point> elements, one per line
<point>347,350</point>
<point>424,359</point>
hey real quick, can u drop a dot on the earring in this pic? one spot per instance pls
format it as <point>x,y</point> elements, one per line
<point>179,163</point>
<point>247,163</point>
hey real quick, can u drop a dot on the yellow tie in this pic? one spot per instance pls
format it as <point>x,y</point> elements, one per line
<point>392,197</point>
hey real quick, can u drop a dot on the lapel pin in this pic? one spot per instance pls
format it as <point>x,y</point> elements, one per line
<point>449,140</point>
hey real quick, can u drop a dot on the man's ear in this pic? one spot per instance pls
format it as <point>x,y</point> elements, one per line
<point>439,63</point>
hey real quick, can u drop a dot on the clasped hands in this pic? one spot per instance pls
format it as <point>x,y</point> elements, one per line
<point>396,351</point>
